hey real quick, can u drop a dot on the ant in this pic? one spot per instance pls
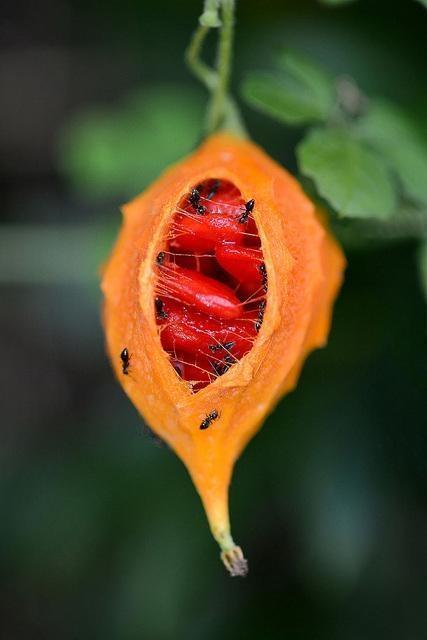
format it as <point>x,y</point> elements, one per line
<point>263,272</point>
<point>261,311</point>
<point>194,200</point>
<point>228,345</point>
<point>194,197</point>
<point>218,347</point>
<point>223,366</point>
<point>160,311</point>
<point>213,415</point>
<point>160,258</point>
<point>125,357</point>
<point>220,368</point>
<point>249,207</point>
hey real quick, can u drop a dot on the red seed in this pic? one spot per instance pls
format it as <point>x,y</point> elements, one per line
<point>220,196</point>
<point>210,287</point>
<point>204,263</point>
<point>241,262</point>
<point>205,294</point>
<point>201,233</point>
<point>199,372</point>
<point>223,205</point>
<point>252,238</point>
<point>189,331</point>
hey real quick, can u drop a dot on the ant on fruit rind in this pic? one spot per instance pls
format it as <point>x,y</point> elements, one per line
<point>206,422</point>
<point>261,311</point>
<point>160,258</point>
<point>263,271</point>
<point>249,207</point>
<point>125,357</point>
<point>160,310</point>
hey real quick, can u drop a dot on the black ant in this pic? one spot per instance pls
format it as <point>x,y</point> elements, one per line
<point>218,347</point>
<point>261,311</point>
<point>194,197</point>
<point>249,207</point>
<point>228,345</point>
<point>194,200</point>
<point>160,311</point>
<point>220,368</point>
<point>125,358</point>
<point>160,257</point>
<point>213,415</point>
<point>263,272</point>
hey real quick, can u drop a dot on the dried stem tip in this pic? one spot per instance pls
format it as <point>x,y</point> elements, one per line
<point>235,562</point>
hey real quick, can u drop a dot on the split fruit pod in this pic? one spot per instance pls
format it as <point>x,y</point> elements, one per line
<point>207,402</point>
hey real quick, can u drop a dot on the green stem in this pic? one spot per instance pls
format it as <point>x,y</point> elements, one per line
<point>205,74</point>
<point>217,109</point>
<point>222,111</point>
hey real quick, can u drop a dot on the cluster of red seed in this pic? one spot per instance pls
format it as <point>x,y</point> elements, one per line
<point>210,296</point>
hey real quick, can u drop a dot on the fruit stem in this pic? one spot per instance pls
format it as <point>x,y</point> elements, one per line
<point>216,111</point>
<point>234,560</point>
<point>231,555</point>
<point>222,110</point>
<point>201,70</point>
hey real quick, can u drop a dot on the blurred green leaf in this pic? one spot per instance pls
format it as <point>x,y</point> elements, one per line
<point>422,266</point>
<point>303,93</point>
<point>313,76</point>
<point>390,130</point>
<point>117,152</point>
<point>354,180</point>
<point>424,3</point>
<point>407,223</point>
<point>280,98</point>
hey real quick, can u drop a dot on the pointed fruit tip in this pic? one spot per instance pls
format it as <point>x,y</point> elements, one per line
<point>235,563</point>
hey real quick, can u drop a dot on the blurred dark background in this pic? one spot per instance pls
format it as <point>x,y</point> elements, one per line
<point>102,534</point>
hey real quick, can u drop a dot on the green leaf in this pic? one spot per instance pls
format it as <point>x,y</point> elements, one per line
<point>391,132</point>
<point>301,94</point>
<point>116,152</point>
<point>422,267</point>
<point>352,178</point>
<point>406,223</point>
<point>315,78</point>
<point>424,3</point>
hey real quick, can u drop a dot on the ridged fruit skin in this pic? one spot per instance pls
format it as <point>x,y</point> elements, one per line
<point>305,269</point>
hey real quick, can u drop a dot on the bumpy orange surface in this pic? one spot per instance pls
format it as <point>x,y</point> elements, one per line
<point>304,266</point>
